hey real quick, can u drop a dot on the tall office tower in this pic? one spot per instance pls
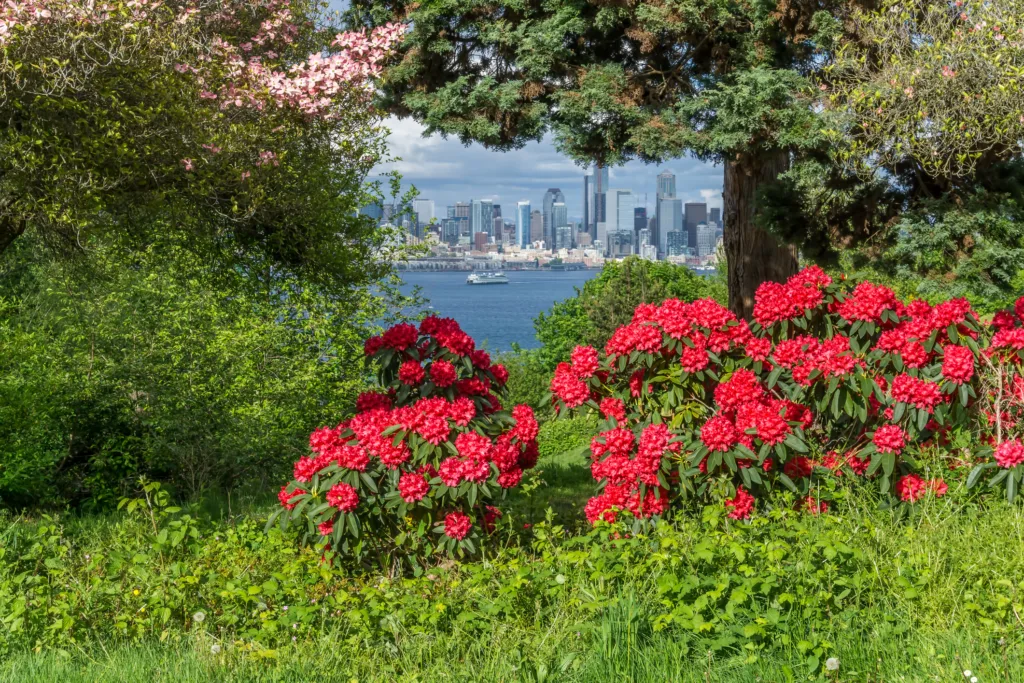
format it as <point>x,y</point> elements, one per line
<point>451,229</point>
<point>551,197</point>
<point>620,224</point>
<point>670,219</point>
<point>639,219</point>
<point>496,210</point>
<point>536,226</point>
<point>715,216</point>
<point>481,217</point>
<point>424,210</point>
<point>666,184</point>
<point>560,219</point>
<point>598,198</point>
<point>706,239</point>
<point>666,190</point>
<point>563,237</point>
<point>696,213</point>
<point>587,191</point>
<point>462,210</point>
<point>523,224</point>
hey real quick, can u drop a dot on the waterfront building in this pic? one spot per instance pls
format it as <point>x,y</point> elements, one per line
<point>706,240</point>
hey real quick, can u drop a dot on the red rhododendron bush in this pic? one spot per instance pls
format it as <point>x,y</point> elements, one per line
<point>419,466</point>
<point>826,382</point>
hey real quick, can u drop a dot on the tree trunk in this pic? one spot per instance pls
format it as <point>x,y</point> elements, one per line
<point>10,230</point>
<point>754,255</point>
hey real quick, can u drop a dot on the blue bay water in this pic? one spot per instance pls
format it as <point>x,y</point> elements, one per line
<point>496,315</point>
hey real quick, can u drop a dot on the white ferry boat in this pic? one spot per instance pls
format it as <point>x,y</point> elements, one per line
<point>487,279</point>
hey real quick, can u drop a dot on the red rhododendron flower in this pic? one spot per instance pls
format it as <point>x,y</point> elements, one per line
<point>1009,453</point>
<point>742,504</point>
<point>372,400</point>
<point>457,525</point>
<point>510,479</point>
<point>742,387</point>
<point>343,497</point>
<point>411,373</point>
<point>814,505</point>
<point>568,388</point>
<point>285,497</point>
<point>372,345</point>
<point>910,488</point>
<point>797,467</point>
<point>695,358</point>
<point>304,469</point>
<point>450,472</point>
<point>352,457</point>
<point>867,302</point>
<point>890,439</point>
<point>401,336</point>
<point>916,392</point>
<point>526,428</point>
<point>413,487</point>
<point>719,433</point>
<point>584,361</point>
<point>326,528</point>
<point>758,349</point>
<point>480,359</point>
<point>613,408</point>
<point>938,487</point>
<point>491,515</point>
<point>442,373</point>
<point>957,364</point>
<point>858,465</point>
<point>500,373</point>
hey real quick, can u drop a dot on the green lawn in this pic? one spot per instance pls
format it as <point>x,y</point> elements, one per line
<point>916,594</point>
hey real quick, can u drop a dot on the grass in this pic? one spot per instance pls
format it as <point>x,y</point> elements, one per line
<point>895,595</point>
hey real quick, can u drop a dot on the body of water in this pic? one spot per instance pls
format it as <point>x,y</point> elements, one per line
<point>499,315</point>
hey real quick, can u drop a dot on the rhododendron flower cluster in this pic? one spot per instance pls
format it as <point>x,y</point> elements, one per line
<point>431,444</point>
<point>873,378</point>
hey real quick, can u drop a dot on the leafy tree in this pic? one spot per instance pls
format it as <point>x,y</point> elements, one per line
<point>145,362</point>
<point>724,80</point>
<point>918,175</point>
<point>607,302</point>
<point>244,122</point>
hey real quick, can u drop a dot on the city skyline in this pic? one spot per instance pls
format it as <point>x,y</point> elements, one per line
<point>447,172</point>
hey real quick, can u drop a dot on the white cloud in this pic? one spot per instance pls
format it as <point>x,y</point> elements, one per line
<point>448,172</point>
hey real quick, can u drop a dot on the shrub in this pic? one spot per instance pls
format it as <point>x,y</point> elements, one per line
<point>698,403</point>
<point>429,451</point>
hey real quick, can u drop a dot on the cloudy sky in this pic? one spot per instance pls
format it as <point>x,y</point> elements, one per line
<point>448,172</point>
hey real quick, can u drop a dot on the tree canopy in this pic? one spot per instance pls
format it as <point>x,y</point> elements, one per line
<point>243,125</point>
<point>726,81</point>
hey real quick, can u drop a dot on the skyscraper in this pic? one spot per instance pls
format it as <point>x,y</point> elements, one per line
<point>715,216</point>
<point>536,226</point>
<point>670,219</point>
<point>552,196</point>
<point>481,217</point>
<point>666,190</point>
<point>706,239</point>
<point>696,213</point>
<point>639,219</point>
<point>587,192</point>
<point>666,184</point>
<point>598,198</point>
<point>621,222</point>
<point>424,209</point>
<point>523,224</point>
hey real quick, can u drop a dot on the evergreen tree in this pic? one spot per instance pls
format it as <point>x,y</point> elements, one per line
<point>726,81</point>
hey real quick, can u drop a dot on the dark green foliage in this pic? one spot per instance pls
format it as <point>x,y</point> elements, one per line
<point>608,301</point>
<point>147,364</point>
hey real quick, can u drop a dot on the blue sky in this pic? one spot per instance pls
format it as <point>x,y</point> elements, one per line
<point>448,172</point>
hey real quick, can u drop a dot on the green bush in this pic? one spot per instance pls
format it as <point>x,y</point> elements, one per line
<point>149,365</point>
